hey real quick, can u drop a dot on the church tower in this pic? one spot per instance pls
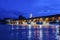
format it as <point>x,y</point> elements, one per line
<point>30,15</point>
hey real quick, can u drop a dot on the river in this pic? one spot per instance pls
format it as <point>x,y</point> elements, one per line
<point>15,32</point>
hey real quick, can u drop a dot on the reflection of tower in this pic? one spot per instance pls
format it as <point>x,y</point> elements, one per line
<point>30,15</point>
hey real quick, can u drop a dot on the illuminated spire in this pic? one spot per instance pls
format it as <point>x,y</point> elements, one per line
<point>30,15</point>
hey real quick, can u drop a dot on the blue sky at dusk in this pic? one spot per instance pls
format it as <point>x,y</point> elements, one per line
<point>14,8</point>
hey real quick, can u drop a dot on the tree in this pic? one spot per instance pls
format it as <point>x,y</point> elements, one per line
<point>21,17</point>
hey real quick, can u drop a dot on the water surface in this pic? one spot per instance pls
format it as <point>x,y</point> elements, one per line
<point>14,32</point>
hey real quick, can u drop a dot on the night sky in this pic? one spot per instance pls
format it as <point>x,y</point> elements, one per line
<point>14,8</point>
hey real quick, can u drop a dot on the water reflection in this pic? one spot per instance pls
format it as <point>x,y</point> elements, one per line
<point>12,27</point>
<point>29,32</point>
<point>41,34</point>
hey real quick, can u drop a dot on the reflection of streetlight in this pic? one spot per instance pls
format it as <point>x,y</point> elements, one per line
<point>58,36</point>
<point>29,26</point>
<point>59,24</point>
<point>29,33</point>
<point>41,34</point>
<point>59,28</point>
<point>17,24</point>
<point>12,25</point>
